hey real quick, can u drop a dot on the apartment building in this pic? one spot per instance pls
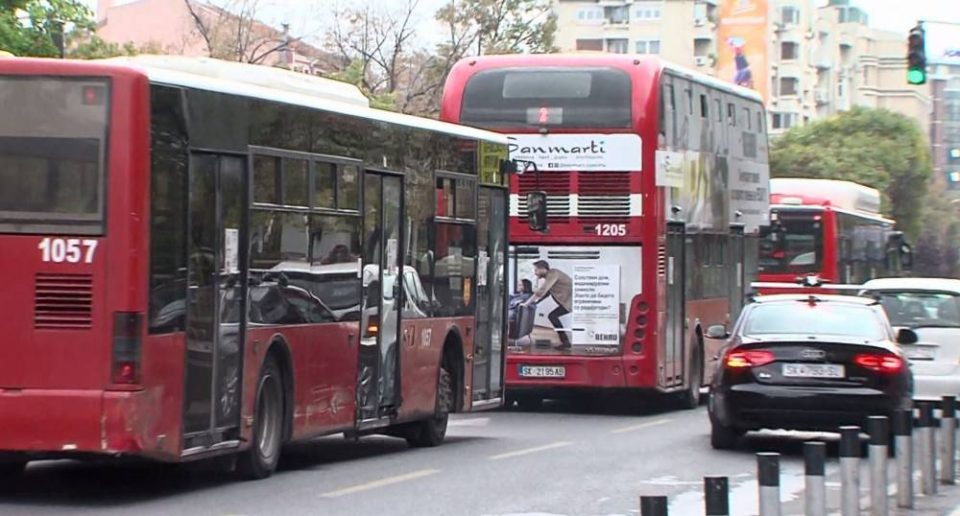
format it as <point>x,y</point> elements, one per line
<point>806,61</point>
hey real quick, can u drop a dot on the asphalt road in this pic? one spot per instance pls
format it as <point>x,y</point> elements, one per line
<point>559,461</point>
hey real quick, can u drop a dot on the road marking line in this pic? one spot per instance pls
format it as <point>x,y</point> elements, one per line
<point>527,451</point>
<point>641,426</point>
<point>381,483</point>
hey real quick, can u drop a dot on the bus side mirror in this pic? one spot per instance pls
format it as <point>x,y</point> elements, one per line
<point>717,331</point>
<point>537,211</point>
<point>906,256</point>
<point>507,167</point>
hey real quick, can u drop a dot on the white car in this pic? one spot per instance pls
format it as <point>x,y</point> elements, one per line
<point>931,307</point>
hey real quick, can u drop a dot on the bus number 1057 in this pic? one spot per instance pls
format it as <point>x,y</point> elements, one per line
<point>611,229</point>
<point>70,250</point>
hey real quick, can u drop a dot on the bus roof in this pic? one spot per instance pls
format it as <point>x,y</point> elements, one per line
<point>247,80</point>
<point>279,85</point>
<point>845,195</point>
<point>648,63</point>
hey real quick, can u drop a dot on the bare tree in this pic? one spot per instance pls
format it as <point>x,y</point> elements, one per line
<point>231,31</point>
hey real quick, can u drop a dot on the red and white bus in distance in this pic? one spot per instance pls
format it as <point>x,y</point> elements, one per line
<point>657,186</point>
<point>204,258</point>
<point>830,229</point>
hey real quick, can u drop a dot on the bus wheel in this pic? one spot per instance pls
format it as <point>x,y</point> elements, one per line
<point>261,459</point>
<point>430,432</point>
<point>11,470</point>
<point>690,398</point>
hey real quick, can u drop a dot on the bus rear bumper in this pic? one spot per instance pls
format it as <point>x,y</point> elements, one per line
<point>579,372</point>
<point>43,423</point>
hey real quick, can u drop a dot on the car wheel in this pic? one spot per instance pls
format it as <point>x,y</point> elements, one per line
<point>261,459</point>
<point>724,437</point>
<point>431,432</point>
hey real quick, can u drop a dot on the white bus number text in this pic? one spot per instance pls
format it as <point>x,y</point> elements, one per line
<point>69,250</point>
<point>611,229</point>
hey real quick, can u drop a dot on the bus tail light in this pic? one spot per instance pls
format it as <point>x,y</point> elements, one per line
<point>373,326</point>
<point>127,343</point>
<point>748,358</point>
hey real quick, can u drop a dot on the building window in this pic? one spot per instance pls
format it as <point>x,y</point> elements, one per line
<point>647,11</point>
<point>590,16</point>
<point>789,85</point>
<point>617,15</point>
<point>789,50</point>
<point>784,120</point>
<point>841,89</point>
<point>618,46</point>
<point>590,44</point>
<point>790,15</point>
<point>651,47</point>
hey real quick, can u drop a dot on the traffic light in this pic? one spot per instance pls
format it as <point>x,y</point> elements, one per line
<point>916,56</point>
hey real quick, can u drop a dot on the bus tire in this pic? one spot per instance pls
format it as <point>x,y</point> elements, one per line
<point>12,470</point>
<point>431,431</point>
<point>260,460</point>
<point>690,398</point>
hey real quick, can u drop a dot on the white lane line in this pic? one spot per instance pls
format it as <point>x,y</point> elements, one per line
<point>381,483</point>
<point>527,451</point>
<point>641,426</point>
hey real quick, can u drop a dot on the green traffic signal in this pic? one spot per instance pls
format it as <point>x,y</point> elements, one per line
<point>917,77</point>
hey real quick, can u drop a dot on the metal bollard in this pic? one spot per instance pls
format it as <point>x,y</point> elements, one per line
<point>653,506</point>
<point>850,470</point>
<point>903,430</point>
<point>768,479</point>
<point>927,449</point>
<point>815,489</point>
<point>948,440</point>
<point>879,429</point>
<point>716,496</point>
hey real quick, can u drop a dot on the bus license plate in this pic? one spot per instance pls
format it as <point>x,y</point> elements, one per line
<point>813,370</point>
<point>543,371</point>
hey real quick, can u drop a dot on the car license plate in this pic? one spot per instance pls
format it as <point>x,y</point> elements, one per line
<point>543,371</point>
<point>813,370</point>
<point>920,352</point>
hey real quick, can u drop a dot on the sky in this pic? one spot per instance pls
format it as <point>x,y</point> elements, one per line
<point>310,18</point>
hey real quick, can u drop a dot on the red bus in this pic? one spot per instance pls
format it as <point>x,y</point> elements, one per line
<point>656,182</point>
<point>830,229</point>
<point>205,258</point>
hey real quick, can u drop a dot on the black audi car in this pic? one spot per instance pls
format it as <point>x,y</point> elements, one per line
<point>807,362</point>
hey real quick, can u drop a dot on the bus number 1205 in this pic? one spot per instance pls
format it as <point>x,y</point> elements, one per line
<point>70,250</point>
<point>611,229</point>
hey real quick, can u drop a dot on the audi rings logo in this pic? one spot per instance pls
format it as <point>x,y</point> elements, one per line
<point>813,353</point>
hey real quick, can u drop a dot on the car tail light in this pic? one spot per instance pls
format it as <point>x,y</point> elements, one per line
<point>127,343</point>
<point>882,362</point>
<point>748,358</point>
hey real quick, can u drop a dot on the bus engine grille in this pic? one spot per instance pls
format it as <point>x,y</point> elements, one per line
<point>63,301</point>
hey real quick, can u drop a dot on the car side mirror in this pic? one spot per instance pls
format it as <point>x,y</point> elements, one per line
<point>907,336</point>
<point>537,211</point>
<point>717,331</point>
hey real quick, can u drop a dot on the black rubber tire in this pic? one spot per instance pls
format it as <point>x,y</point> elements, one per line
<point>260,460</point>
<point>12,470</point>
<point>690,397</point>
<point>431,432</point>
<point>724,437</point>
<point>529,402</point>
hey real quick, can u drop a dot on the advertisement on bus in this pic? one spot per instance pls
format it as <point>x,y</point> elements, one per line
<point>575,295</point>
<point>742,44</point>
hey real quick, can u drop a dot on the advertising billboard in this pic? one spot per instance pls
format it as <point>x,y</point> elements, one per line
<point>742,44</point>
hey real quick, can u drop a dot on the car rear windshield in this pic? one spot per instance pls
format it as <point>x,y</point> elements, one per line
<point>818,319</point>
<point>917,309</point>
<point>53,139</point>
<point>793,244</point>
<point>554,97</point>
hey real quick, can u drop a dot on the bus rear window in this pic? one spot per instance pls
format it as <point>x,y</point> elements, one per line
<point>793,244</point>
<point>553,97</point>
<point>53,136</point>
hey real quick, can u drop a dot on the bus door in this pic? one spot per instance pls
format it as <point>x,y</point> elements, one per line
<point>674,331</point>
<point>735,257</point>
<point>491,282</point>
<point>215,323</point>
<point>378,378</point>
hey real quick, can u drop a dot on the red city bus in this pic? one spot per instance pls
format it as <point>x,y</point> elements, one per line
<point>830,229</point>
<point>204,258</point>
<point>656,182</point>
